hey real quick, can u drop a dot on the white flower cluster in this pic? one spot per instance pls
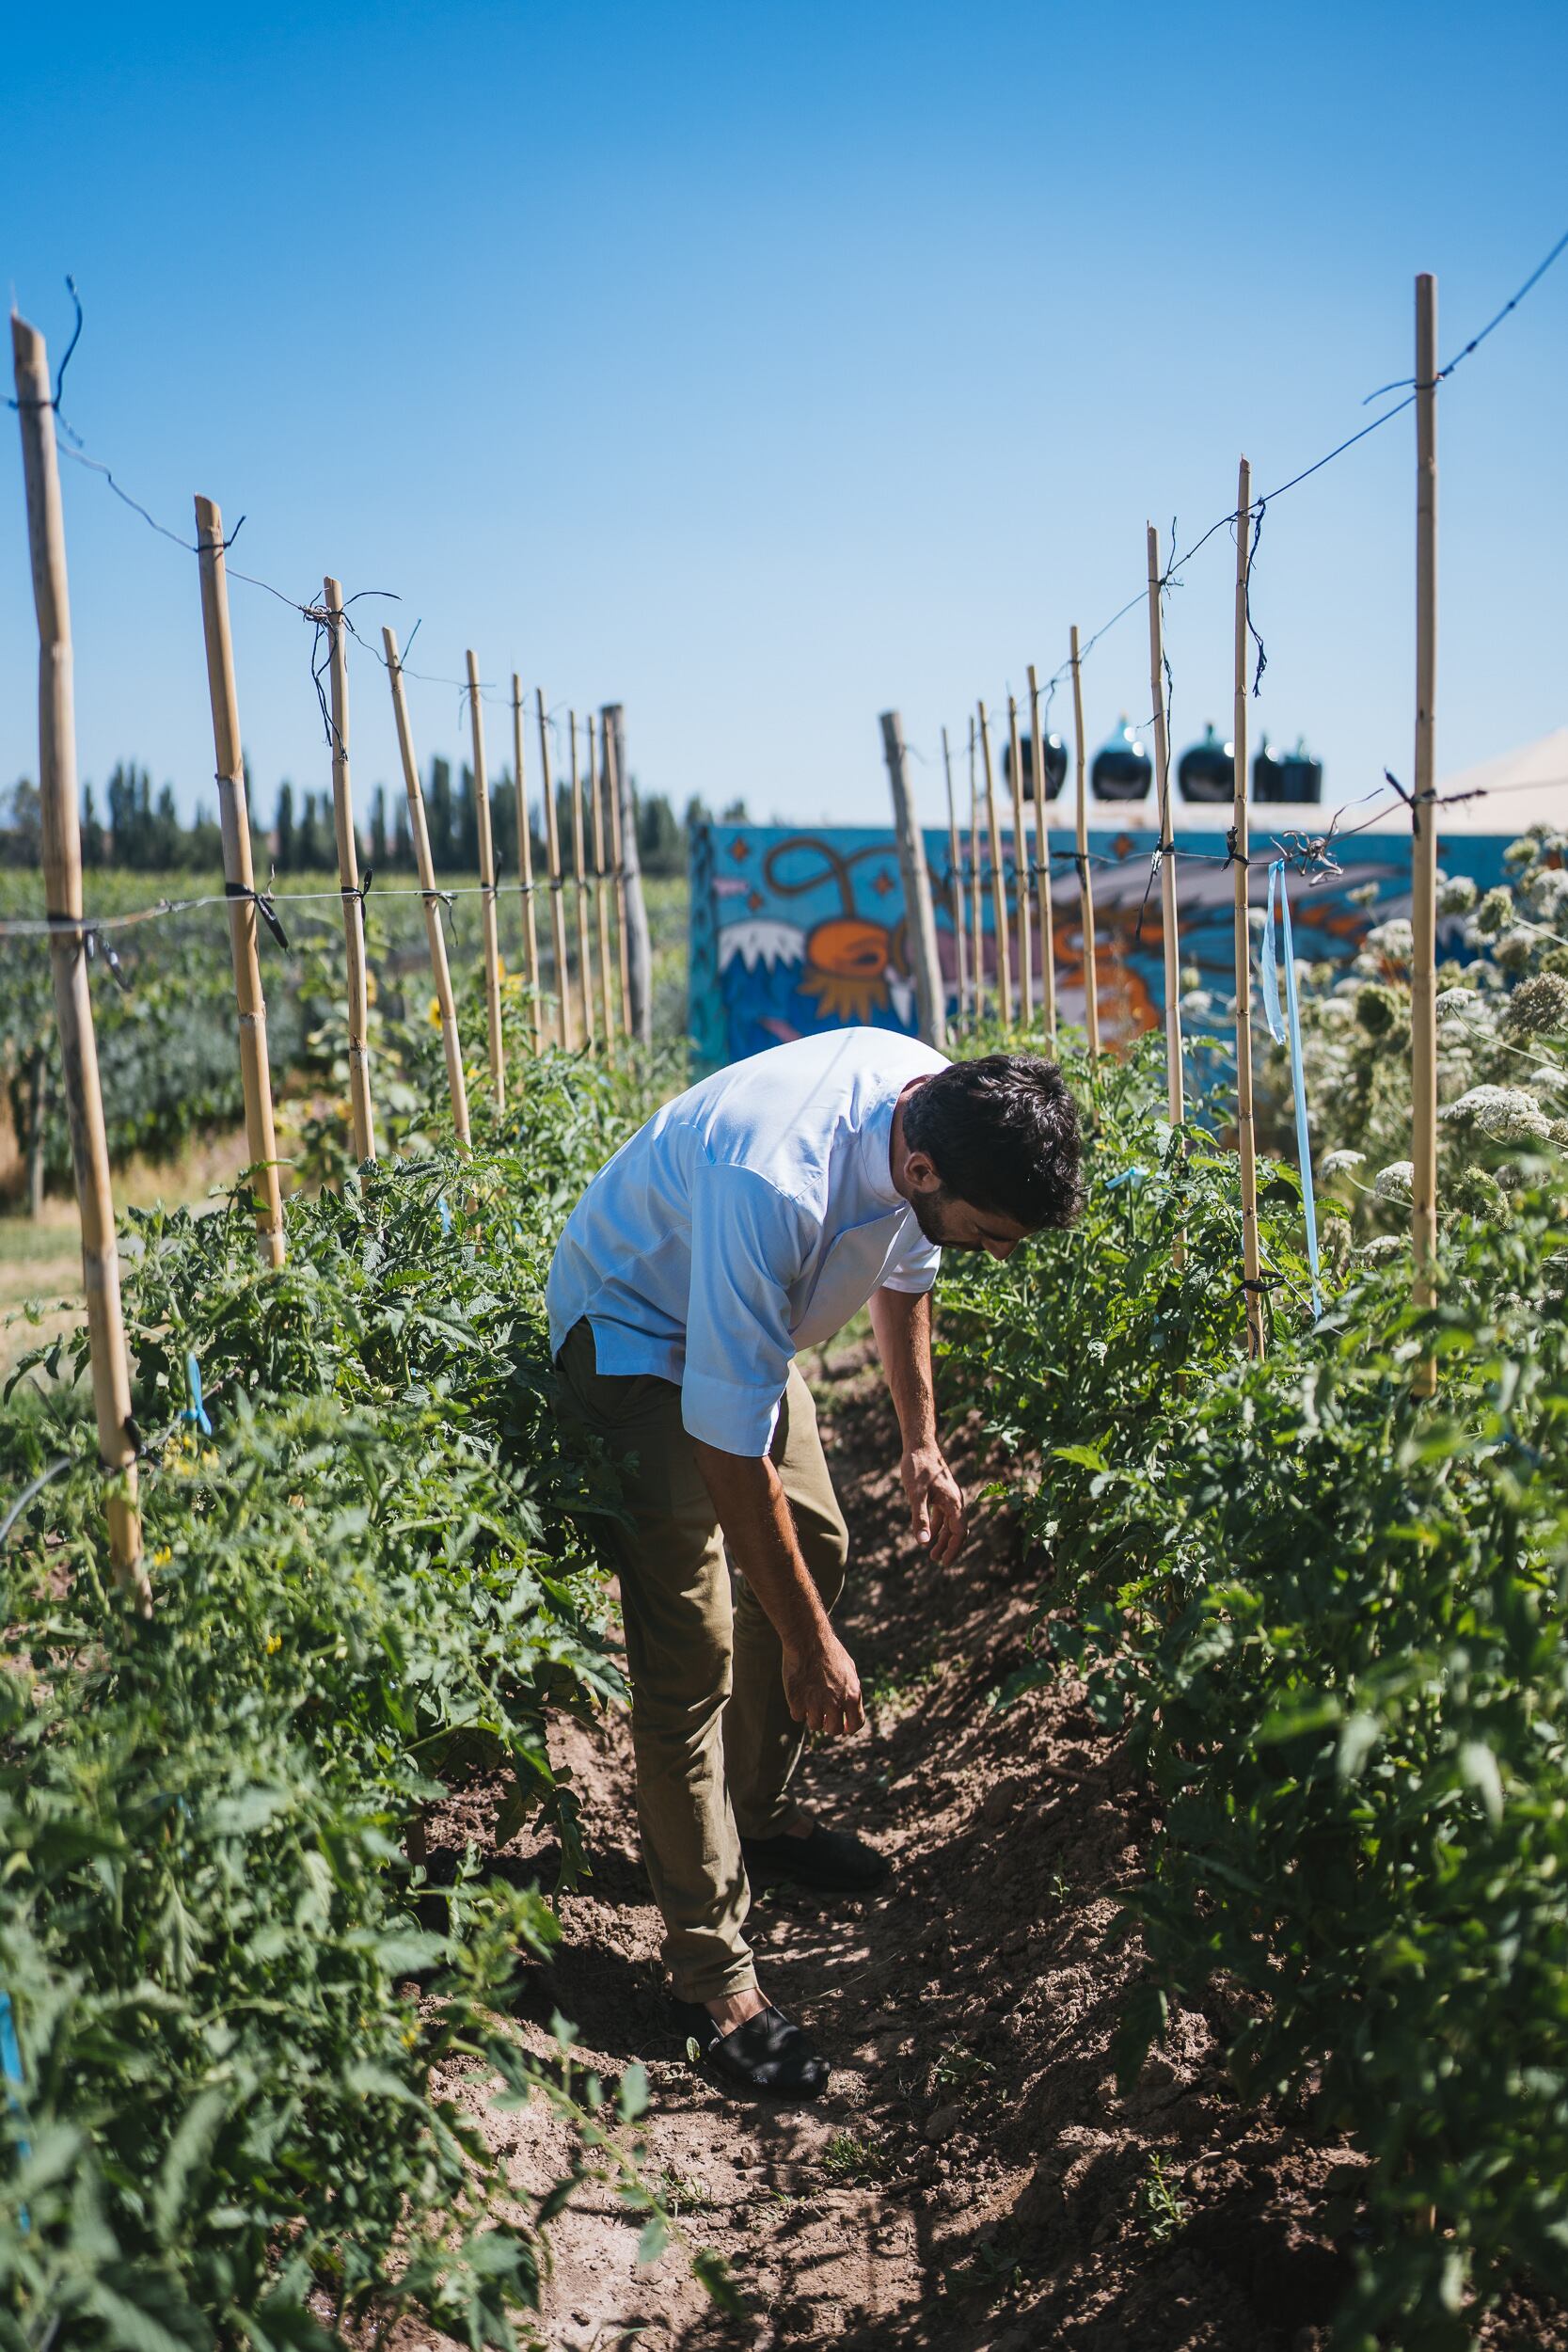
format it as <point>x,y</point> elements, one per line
<point>1397,1182</point>
<point>1501,1113</point>
<point>1394,940</point>
<point>1340,1162</point>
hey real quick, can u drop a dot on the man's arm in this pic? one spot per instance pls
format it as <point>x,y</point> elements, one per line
<point>820,1683</point>
<point>902,1323</point>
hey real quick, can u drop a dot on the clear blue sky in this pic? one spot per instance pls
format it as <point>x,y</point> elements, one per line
<point>763,367</point>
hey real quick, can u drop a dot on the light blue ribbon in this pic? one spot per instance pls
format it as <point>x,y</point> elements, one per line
<point>10,2069</point>
<point>195,1414</point>
<point>1289,1028</point>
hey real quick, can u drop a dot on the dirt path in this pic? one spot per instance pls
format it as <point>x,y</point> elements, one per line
<point>972,2180</point>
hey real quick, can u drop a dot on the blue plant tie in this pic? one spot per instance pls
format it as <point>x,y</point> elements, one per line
<point>195,1414</point>
<point>1281,1030</point>
<point>1134,1175</point>
<point>10,2067</point>
<point>446,1212</point>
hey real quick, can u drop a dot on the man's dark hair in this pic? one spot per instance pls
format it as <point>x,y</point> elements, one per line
<point>1002,1134</point>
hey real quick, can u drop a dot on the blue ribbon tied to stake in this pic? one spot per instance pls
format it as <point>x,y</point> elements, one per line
<point>195,1414</point>
<point>1288,1029</point>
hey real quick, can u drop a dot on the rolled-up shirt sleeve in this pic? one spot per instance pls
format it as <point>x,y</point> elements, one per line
<point>748,1245</point>
<point>915,1266</point>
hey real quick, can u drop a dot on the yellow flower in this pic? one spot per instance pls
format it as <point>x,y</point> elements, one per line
<point>162,1557</point>
<point>434,1012</point>
<point>370,988</point>
<point>274,1642</point>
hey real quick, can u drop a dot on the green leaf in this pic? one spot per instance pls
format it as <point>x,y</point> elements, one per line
<point>655,2238</point>
<point>631,2097</point>
<point>1477,1768</point>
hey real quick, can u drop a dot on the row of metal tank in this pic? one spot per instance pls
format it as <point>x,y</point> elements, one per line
<point>1123,770</point>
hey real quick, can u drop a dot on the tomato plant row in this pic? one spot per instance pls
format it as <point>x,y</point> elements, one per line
<point>1330,1619</point>
<point>236,1997</point>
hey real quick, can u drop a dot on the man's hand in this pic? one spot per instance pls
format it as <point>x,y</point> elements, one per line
<point>936,1504</point>
<point>822,1687</point>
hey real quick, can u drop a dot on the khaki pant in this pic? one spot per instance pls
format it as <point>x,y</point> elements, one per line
<point>715,1742</point>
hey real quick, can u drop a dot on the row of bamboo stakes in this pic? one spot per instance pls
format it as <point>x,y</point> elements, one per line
<point>1013,926</point>
<point>599,1023</point>
<point>62,864</point>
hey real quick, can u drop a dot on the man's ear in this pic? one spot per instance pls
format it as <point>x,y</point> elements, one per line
<point>920,1172</point>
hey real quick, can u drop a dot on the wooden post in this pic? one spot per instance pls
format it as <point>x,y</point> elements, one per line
<point>434,936</point>
<point>1042,868</point>
<point>976,907</point>
<point>38,1109</point>
<point>919,922</point>
<point>1246,1142</point>
<point>612,794</point>
<point>640,982</point>
<point>488,891</point>
<point>1423,851</point>
<point>998,883</point>
<point>1085,886</point>
<point>1175,1092</point>
<point>360,1115</point>
<point>579,876</point>
<point>601,899</point>
<point>558,903</point>
<point>525,858</point>
<point>68,957</point>
<point>239,880</point>
<point>1020,878</point>
<point>955,881</point>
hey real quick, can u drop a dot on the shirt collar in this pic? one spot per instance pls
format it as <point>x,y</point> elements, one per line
<point>877,1152</point>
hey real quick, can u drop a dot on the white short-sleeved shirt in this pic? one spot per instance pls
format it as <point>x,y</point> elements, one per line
<point>751,1217</point>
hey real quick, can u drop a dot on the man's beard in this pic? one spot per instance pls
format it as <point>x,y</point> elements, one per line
<point>929,1214</point>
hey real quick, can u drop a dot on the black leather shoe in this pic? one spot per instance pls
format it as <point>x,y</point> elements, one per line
<point>835,1860</point>
<point>767,2054</point>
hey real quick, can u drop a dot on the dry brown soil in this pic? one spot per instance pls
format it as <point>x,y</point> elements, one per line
<point>972,2179</point>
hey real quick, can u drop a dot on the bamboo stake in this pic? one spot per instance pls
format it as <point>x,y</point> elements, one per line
<point>998,885</point>
<point>919,922</point>
<point>1175,1094</point>
<point>1085,886</point>
<point>1423,849</point>
<point>239,882</point>
<point>557,904</point>
<point>525,859</point>
<point>580,874</point>
<point>488,891</point>
<point>955,881</point>
<point>976,910</point>
<point>601,897</point>
<point>1246,1142</point>
<point>612,794</point>
<point>360,1114</point>
<point>1042,868</point>
<point>62,871</point>
<point>434,936</point>
<point>1021,879</point>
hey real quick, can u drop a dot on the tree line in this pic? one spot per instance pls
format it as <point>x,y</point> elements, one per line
<point>138,831</point>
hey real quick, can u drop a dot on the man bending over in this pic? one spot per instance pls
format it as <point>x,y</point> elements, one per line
<point>751,1218</point>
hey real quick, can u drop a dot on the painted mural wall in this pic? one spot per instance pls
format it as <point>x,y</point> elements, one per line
<point>795,931</point>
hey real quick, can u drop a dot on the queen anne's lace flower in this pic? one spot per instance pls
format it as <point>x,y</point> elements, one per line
<point>1383,1246</point>
<point>1501,1113</point>
<point>1397,1182</point>
<point>1456,894</point>
<point>1340,1162</point>
<point>1459,1000</point>
<point>1394,939</point>
<point>1540,1004</point>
